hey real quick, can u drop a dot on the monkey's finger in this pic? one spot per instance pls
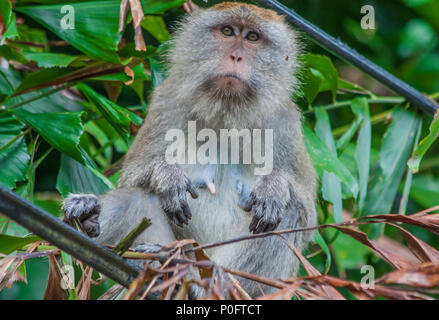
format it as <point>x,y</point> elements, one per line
<point>191,189</point>
<point>261,226</point>
<point>254,224</point>
<point>186,210</point>
<point>92,227</point>
<point>257,225</point>
<point>248,204</point>
<point>181,219</point>
<point>211,188</point>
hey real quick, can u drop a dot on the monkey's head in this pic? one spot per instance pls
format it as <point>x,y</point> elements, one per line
<point>235,53</point>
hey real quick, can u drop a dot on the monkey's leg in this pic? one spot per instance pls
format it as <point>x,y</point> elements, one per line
<point>118,212</point>
<point>268,257</point>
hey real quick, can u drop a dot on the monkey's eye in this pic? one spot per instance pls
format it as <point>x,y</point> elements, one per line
<point>227,31</point>
<point>253,36</point>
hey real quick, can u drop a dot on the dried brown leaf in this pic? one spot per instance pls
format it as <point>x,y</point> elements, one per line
<point>328,291</point>
<point>136,286</point>
<point>54,291</point>
<point>123,15</point>
<point>138,16</point>
<point>84,284</point>
<point>377,291</point>
<point>397,261</point>
<point>283,294</point>
<point>423,251</point>
<point>421,276</point>
<point>421,219</point>
<point>112,292</point>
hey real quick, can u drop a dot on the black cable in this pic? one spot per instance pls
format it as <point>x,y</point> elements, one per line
<point>66,238</point>
<point>346,53</point>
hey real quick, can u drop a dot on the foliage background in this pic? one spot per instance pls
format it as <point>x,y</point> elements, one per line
<point>359,135</point>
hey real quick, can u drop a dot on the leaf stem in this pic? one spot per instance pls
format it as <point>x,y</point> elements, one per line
<point>7,144</point>
<point>347,103</point>
<point>44,94</point>
<point>374,120</point>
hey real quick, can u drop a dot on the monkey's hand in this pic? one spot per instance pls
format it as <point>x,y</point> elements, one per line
<point>268,200</point>
<point>85,208</point>
<point>170,183</point>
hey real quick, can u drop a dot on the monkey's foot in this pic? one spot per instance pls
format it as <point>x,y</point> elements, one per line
<point>85,208</point>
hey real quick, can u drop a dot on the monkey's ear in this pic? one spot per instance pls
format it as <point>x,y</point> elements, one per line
<point>189,6</point>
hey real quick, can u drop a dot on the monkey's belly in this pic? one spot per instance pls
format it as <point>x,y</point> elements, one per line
<point>218,217</point>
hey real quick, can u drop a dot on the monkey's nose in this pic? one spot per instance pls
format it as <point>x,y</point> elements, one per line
<point>236,58</point>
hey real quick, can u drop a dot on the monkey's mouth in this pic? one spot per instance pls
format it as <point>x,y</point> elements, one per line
<point>228,87</point>
<point>230,75</point>
<point>230,82</point>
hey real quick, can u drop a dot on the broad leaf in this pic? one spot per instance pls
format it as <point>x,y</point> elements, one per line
<point>95,31</point>
<point>14,158</point>
<point>394,152</point>
<point>324,159</point>
<point>49,60</point>
<point>360,107</point>
<point>62,130</point>
<point>117,116</point>
<point>331,185</point>
<point>322,76</point>
<point>424,145</point>
<point>9,244</point>
<point>73,177</point>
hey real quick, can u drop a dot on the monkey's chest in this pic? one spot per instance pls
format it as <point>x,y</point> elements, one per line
<point>218,216</point>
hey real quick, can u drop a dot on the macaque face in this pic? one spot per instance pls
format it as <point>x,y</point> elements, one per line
<point>238,46</point>
<point>236,53</point>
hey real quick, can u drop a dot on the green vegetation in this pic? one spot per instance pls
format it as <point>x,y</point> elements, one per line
<point>73,99</point>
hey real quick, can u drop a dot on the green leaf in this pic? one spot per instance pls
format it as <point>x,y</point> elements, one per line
<point>360,107</point>
<point>425,190</point>
<point>74,177</point>
<point>395,150</point>
<point>157,27</point>
<point>9,22</point>
<point>9,244</point>
<point>61,130</point>
<point>321,76</point>
<point>49,60</point>
<point>116,115</point>
<point>41,77</point>
<point>322,243</point>
<point>10,53</point>
<point>424,145</point>
<point>94,25</point>
<point>324,159</point>
<point>14,158</point>
<point>331,185</point>
<point>6,12</point>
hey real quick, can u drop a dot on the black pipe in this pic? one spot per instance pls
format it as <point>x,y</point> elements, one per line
<point>346,53</point>
<point>66,238</point>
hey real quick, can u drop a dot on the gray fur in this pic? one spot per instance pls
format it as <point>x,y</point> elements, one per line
<point>151,187</point>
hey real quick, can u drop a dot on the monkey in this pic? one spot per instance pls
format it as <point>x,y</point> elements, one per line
<point>231,66</point>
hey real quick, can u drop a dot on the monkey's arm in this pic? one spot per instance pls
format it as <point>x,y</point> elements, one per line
<point>146,166</point>
<point>290,187</point>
